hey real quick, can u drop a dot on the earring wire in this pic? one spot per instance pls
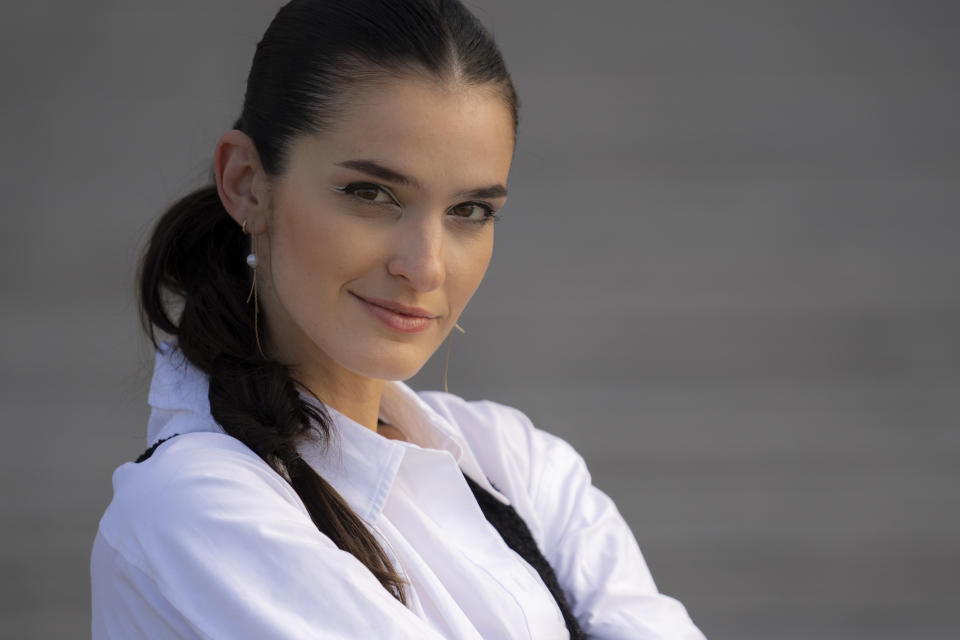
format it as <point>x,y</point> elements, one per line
<point>446,361</point>
<point>253,262</point>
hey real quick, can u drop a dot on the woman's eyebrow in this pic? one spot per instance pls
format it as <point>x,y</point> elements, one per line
<point>493,191</point>
<point>377,170</point>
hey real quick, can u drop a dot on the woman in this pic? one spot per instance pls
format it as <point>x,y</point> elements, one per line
<point>294,488</point>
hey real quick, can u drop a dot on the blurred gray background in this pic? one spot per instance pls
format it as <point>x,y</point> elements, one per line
<point>727,274</point>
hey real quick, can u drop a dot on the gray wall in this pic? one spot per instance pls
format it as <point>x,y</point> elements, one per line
<point>727,273</point>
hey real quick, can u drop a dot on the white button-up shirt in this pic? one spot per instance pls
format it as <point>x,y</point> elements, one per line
<point>205,540</point>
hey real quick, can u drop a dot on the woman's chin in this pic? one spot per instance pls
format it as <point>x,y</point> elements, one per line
<point>391,368</point>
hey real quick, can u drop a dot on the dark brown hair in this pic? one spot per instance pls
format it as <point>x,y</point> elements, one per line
<point>193,279</point>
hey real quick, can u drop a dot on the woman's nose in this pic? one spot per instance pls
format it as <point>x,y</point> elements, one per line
<point>417,255</point>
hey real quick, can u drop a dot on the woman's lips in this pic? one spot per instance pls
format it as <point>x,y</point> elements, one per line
<point>402,322</point>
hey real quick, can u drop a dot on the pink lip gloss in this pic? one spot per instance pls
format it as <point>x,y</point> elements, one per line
<point>397,321</point>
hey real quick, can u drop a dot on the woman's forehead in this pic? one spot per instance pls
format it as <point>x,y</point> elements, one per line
<point>421,131</point>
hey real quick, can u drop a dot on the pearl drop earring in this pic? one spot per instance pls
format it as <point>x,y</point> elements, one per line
<point>253,262</point>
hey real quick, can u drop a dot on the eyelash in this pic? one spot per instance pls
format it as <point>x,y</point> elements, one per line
<point>489,216</point>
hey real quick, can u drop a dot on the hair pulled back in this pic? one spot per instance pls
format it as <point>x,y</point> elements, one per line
<point>193,280</point>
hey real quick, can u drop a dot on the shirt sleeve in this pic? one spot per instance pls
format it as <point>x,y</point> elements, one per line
<point>588,543</point>
<point>205,537</point>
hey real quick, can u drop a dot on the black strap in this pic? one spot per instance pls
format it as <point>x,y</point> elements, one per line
<point>516,534</point>
<point>512,529</point>
<point>149,452</point>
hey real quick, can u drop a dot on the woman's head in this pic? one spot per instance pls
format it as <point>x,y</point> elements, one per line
<point>375,138</point>
<point>316,54</point>
<point>367,166</point>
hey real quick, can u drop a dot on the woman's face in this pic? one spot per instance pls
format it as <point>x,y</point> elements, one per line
<point>379,230</point>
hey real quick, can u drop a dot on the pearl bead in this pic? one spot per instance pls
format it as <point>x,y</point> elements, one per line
<point>252,261</point>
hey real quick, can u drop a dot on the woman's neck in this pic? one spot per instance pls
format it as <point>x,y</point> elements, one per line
<point>356,397</point>
<point>390,431</point>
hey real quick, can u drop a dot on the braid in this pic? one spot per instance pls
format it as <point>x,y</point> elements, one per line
<point>260,402</point>
<point>196,255</point>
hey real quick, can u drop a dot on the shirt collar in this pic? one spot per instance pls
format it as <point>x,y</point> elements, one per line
<point>362,465</point>
<point>178,396</point>
<point>359,463</point>
<point>403,407</point>
<point>176,383</point>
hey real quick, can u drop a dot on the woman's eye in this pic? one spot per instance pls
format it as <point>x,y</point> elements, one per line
<point>369,193</point>
<point>473,211</point>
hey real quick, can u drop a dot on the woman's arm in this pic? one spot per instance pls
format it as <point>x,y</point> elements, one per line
<point>580,531</point>
<point>594,552</point>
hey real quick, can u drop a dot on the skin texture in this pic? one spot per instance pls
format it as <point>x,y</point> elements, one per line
<point>419,244</point>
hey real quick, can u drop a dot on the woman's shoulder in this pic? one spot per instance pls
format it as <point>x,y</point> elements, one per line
<point>472,414</point>
<point>481,420</point>
<point>187,481</point>
<point>485,424</point>
<point>183,460</point>
<point>505,441</point>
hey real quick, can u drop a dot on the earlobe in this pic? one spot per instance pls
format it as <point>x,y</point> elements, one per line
<point>238,173</point>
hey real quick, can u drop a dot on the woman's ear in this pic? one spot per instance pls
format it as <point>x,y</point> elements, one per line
<point>241,180</point>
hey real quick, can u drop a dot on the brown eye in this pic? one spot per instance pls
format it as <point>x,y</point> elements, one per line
<point>472,211</point>
<point>368,193</point>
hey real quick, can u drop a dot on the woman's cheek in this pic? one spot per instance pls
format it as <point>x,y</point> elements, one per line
<point>466,271</point>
